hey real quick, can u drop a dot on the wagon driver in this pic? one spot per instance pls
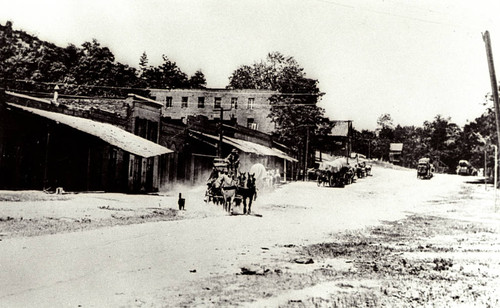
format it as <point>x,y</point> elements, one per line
<point>234,162</point>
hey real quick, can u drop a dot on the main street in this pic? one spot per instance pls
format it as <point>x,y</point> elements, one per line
<point>149,264</point>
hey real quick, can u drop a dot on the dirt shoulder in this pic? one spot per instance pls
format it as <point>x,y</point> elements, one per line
<point>35,213</point>
<point>418,261</point>
<point>443,255</point>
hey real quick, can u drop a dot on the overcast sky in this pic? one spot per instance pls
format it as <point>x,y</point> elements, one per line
<point>412,59</point>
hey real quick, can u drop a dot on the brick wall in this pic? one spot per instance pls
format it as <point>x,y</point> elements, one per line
<point>185,102</point>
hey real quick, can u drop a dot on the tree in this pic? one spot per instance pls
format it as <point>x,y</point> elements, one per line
<point>477,138</point>
<point>293,108</point>
<point>93,71</point>
<point>385,121</point>
<point>385,135</point>
<point>165,76</point>
<point>197,81</point>
<point>143,62</point>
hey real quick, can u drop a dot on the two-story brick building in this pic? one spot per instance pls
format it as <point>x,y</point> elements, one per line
<point>249,107</point>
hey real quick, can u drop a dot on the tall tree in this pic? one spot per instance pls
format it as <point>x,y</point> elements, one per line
<point>385,134</point>
<point>143,62</point>
<point>197,81</point>
<point>166,76</point>
<point>298,119</point>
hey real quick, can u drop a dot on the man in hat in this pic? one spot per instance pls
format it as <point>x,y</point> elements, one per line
<point>234,162</point>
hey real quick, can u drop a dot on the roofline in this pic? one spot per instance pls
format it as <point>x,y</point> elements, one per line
<point>29,97</point>
<point>215,90</point>
<point>114,136</point>
<point>146,99</point>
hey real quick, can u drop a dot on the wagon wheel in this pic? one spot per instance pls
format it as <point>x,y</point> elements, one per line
<point>331,181</point>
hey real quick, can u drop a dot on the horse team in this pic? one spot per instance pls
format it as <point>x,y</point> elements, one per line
<point>227,190</point>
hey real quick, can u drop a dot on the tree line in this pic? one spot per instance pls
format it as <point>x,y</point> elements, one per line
<point>440,139</point>
<point>30,64</point>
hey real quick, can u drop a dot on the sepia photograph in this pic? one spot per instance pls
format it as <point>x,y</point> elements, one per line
<point>264,153</point>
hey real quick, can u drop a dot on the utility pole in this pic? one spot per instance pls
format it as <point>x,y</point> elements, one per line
<point>494,85</point>
<point>219,145</point>
<point>348,146</point>
<point>369,149</point>
<point>221,133</point>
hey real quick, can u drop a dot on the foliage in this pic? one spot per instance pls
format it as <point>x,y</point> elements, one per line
<point>30,64</point>
<point>440,139</point>
<point>293,109</point>
<point>197,81</point>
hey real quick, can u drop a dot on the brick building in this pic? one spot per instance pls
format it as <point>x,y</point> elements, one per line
<point>249,107</point>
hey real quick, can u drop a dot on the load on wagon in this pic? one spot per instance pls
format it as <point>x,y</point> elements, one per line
<point>336,172</point>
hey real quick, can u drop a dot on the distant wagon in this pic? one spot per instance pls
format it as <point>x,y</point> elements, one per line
<point>336,173</point>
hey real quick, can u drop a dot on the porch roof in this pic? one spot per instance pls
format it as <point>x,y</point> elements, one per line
<point>249,147</point>
<point>109,133</point>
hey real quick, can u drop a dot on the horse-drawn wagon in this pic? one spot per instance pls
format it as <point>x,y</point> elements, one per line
<point>226,189</point>
<point>213,193</point>
<point>336,173</point>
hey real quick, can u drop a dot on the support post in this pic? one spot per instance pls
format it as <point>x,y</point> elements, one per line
<point>306,154</point>
<point>46,162</point>
<point>485,166</point>
<point>219,146</point>
<point>284,169</point>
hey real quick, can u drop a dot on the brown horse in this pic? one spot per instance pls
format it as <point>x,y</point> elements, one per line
<point>247,190</point>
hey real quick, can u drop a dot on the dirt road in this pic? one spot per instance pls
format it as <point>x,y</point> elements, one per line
<point>199,259</point>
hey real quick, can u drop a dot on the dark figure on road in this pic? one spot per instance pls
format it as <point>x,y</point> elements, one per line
<point>181,202</point>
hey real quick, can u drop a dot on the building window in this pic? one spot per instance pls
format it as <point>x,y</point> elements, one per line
<point>201,102</point>
<point>251,102</point>
<point>217,102</point>
<point>234,102</point>
<point>184,102</point>
<point>251,123</point>
<point>168,101</point>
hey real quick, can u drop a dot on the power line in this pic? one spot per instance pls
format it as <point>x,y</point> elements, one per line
<point>70,96</point>
<point>399,15</point>
<point>225,91</point>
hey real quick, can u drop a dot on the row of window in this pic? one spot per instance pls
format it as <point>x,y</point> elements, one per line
<point>217,102</point>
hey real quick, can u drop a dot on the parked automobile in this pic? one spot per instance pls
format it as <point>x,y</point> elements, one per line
<point>424,169</point>
<point>465,168</point>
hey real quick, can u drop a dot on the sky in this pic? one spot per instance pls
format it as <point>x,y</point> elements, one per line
<point>412,59</point>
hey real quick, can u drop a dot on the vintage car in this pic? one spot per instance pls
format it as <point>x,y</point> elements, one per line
<point>424,169</point>
<point>465,168</point>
